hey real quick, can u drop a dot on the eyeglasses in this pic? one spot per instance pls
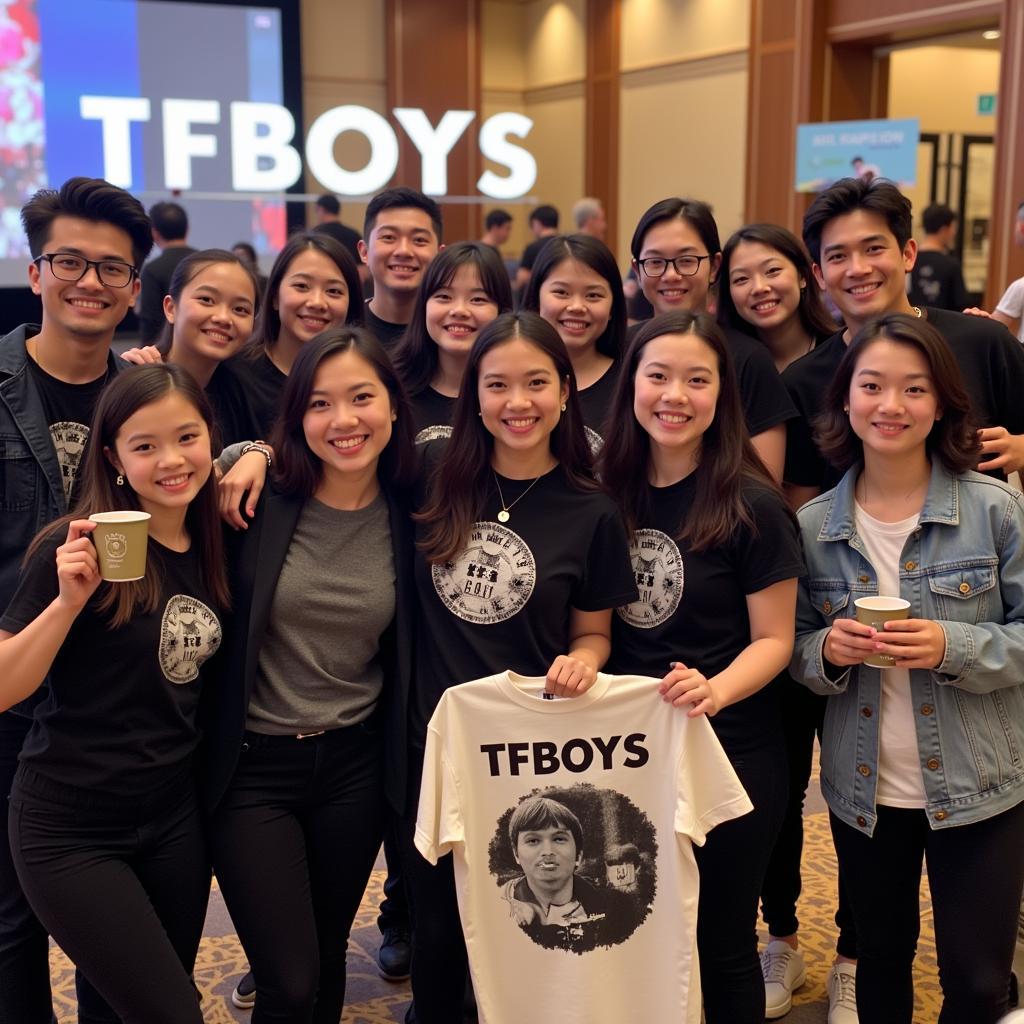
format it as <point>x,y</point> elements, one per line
<point>66,266</point>
<point>685,266</point>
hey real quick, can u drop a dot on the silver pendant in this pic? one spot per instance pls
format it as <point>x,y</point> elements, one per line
<point>503,516</point>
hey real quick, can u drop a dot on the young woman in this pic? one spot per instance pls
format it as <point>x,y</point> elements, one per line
<point>210,306</point>
<point>313,285</point>
<point>769,292</point>
<point>105,826</point>
<point>465,287</point>
<point>575,286</point>
<point>920,759</point>
<point>677,256</point>
<point>716,558</point>
<point>513,487</point>
<point>318,664</point>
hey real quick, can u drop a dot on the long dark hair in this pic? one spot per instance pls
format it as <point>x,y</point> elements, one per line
<point>458,486</point>
<point>297,470</point>
<point>187,270</point>
<point>814,317</point>
<point>99,491</point>
<point>727,457</point>
<point>415,356</point>
<point>268,325</point>
<point>592,253</point>
<point>953,438</point>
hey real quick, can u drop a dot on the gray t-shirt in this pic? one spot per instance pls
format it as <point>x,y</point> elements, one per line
<point>319,666</point>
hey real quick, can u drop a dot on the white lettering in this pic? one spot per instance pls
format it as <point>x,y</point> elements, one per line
<point>115,114</point>
<point>495,146</point>
<point>383,150</point>
<point>434,144</point>
<point>247,146</point>
<point>180,145</point>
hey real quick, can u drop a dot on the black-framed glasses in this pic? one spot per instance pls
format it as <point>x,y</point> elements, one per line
<point>686,266</point>
<point>67,266</point>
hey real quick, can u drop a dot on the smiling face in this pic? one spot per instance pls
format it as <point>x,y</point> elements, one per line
<point>863,268</point>
<point>312,297</point>
<point>347,423</point>
<point>765,285</point>
<point>548,857</point>
<point>399,249</point>
<point>520,397</point>
<point>163,449</point>
<point>458,311</point>
<point>675,292</point>
<point>577,302</point>
<point>85,309</point>
<point>675,391</point>
<point>892,402</point>
<point>213,317</point>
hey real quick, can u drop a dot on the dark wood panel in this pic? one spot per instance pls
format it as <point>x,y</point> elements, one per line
<point>601,102</point>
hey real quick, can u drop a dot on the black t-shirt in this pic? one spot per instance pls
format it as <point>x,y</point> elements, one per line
<point>259,385</point>
<point>766,403</point>
<point>504,603</point>
<point>431,415</point>
<point>227,396</point>
<point>937,281</point>
<point>990,359</point>
<point>532,251</point>
<point>68,409</point>
<point>384,331</point>
<point>156,281</point>
<point>595,402</point>
<point>693,607</point>
<point>120,710</point>
<point>348,237</point>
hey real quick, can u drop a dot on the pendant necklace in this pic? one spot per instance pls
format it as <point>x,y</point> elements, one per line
<point>503,516</point>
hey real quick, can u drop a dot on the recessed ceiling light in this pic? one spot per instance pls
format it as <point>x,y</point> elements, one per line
<point>992,33</point>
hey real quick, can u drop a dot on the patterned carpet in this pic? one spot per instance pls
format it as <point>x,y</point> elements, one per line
<point>373,1001</point>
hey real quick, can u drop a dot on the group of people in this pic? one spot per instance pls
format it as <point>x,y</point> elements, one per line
<point>432,487</point>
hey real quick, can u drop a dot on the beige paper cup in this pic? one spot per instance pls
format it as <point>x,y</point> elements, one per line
<point>120,539</point>
<point>876,611</point>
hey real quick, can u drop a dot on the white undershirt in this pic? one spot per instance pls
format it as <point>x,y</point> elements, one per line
<point>900,780</point>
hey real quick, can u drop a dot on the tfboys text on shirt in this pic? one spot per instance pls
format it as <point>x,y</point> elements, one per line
<point>692,605</point>
<point>120,711</point>
<point>572,823</point>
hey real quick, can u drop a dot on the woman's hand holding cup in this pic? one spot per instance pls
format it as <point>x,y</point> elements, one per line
<point>849,642</point>
<point>78,571</point>
<point>913,643</point>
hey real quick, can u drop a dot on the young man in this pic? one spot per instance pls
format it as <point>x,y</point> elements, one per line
<point>937,279</point>
<point>88,241</point>
<point>401,235</point>
<point>328,220</point>
<point>1010,308</point>
<point>170,233</point>
<point>497,228</point>
<point>588,216</point>
<point>543,223</point>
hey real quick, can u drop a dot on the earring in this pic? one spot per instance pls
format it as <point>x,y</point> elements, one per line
<point>563,407</point>
<point>394,416</point>
<point>120,480</point>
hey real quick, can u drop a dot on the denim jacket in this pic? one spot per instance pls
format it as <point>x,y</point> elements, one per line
<point>963,566</point>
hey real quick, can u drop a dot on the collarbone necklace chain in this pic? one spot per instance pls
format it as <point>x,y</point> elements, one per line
<point>503,515</point>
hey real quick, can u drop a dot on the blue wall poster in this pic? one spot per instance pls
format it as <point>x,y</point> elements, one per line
<point>856,149</point>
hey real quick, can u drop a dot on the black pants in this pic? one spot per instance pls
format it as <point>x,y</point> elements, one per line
<point>803,717</point>
<point>394,908</point>
<point>975,873</point>
<point>122,887</point>
<point>294,841</point>
<point>24,945</point>
<point>732,864</point>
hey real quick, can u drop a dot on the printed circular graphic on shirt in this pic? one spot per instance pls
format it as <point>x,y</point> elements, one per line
<point>576,865</point>
<point>189,633</point>
<point>491,580</point>
<point>658,568</point>
<point>434,433</point>
<point>69,442</point>
<point>594,439</point>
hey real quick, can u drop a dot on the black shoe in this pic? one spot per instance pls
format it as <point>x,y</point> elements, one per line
<point>394,954</point>
<point>244,996</point>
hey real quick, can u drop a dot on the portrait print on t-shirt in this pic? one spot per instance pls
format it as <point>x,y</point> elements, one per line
<point>69,442</point>
<point>658,567</point>
<point>576,866</point>
<point>491,580</point>
<point>190,633</point>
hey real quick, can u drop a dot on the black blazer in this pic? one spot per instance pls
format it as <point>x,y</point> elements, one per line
<point>255,559</point>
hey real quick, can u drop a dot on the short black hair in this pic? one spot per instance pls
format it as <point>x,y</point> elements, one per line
<point>936,217</point>
<point>848,195</point>
<point>170,220</point>
<point>546,215</point>
<point>89,199</point>
<point>393,199</point>
<point>694,212</point>
<point>497,219</point>
<point>330,204</point>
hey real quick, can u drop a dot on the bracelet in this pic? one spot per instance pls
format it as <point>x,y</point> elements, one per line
<point>259,446</point>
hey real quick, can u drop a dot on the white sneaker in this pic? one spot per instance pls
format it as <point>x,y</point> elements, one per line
<point>842,994</point>
<point>784,972</point>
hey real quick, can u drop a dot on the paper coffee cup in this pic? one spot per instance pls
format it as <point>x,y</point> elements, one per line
<point>120,539</point>
<point>876,611</point>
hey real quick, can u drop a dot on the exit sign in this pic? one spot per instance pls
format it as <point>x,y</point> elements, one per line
<point>987,103</point>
